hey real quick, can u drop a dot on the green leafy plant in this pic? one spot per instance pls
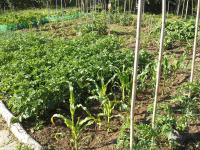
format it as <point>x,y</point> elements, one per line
<point>124,79</point>
<point>101,95</point>
<point>98,24</point>
<point>179,31</point>
<point>75,126</point>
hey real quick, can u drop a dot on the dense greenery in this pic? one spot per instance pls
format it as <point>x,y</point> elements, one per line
<point>41,74</point>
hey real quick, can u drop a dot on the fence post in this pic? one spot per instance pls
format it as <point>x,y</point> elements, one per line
<point>134,86</point>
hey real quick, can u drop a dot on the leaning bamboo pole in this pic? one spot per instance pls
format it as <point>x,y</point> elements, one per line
<point>195,43</point>
<point>134,84</point>
<point>159,61</point>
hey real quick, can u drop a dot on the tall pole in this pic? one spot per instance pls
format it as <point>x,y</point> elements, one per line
<point>195,42</point>
<point>134,86</point>
<point>162,36</point>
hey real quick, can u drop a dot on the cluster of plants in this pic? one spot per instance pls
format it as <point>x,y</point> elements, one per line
<point>98,23</point>
<point>35,69</point>
<point>179,31</point>
<point>20,17</point>
<point>125,19</point>
<point>173,119</point>
<point>33,18</point>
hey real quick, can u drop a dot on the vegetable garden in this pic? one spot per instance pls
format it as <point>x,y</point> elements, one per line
<point>96,76</point>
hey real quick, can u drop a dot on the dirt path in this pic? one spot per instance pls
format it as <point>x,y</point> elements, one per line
<point>7,141</point>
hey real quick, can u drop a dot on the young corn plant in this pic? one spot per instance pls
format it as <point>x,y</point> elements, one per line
<point>101,95</point>
<point>124,79</point>
<point>76,126</point>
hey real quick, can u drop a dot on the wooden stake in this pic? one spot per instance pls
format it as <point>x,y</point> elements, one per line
<point>159,61</point>
<point>195,42</point>
<point>134,86</point>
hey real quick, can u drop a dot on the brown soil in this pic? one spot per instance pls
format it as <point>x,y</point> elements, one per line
<point>58,137</point>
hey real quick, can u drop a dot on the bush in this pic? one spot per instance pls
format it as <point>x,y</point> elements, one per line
<point>98,24</point>
<point>179,31</point>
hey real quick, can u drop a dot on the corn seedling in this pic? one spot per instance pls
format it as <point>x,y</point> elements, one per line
<point>124,79</point>
<point>101,95</point>
<point>75,126</point>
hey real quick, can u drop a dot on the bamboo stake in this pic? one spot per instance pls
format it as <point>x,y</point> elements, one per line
<point>159,61</point>
<point>134,84</point>
<point>124,6</point>
<point>195,42</point>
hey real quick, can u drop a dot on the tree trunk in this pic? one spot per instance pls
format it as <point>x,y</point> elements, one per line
<point>178,7</point>
<point>192,7</point>
<point>124,6</point>
<point>183,8</point>
<point>186,11</point>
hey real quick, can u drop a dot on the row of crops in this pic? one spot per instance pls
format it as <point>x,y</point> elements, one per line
<point>34,18</point>
<point>86,80</point>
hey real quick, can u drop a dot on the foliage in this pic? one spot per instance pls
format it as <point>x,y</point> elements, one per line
<point>44,65</point>
<point>26,16</point>
<point>143,136</point>
<point>179,31</point>
<point>34,69</point>
<point>75,126</point>
<point>98,24</point>
<point>123,19</point>
<point>187,102</point>
<point>100,94</point>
